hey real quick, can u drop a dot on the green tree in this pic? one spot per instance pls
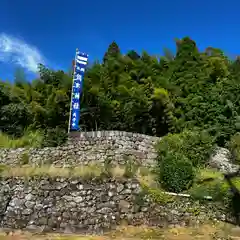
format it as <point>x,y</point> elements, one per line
<point>154,95</point>
<point>112,52</point>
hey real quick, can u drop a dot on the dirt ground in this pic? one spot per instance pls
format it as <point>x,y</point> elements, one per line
<point>207,232</point>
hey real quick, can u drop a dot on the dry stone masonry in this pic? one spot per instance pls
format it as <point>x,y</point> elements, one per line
<point>80,205</point>
<point>77,205</point>
<point>221,160</point>
<point>89,147</point>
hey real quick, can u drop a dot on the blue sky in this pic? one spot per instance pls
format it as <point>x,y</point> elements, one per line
<point>50,30</point>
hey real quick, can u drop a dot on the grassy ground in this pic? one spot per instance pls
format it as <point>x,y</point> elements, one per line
<point>206,232</point>
<point>29,139</point>
<point>200,188</point>
<point>85,172</point>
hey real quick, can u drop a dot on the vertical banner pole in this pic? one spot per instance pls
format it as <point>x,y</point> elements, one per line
<point>70,113</point>
<point>77,85</point>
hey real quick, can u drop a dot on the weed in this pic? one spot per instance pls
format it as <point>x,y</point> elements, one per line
<point>24,159</point>
<point>131,167</point>
<point>157,195</point>
<point>107,167</point>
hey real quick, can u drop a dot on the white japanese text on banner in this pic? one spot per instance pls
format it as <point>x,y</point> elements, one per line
<point>80,66</point>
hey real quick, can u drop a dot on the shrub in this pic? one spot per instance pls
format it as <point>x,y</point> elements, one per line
<point>196,146</point>
<point>213,190</point>
<point>54,137</point>
<point>209,182</point>
<point>234,147</point>
<point>176,172</point>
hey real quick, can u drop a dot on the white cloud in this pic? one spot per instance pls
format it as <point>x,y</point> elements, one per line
<point>16,51</point>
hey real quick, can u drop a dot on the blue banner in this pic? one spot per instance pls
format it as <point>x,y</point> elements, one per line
<point>79,69</point>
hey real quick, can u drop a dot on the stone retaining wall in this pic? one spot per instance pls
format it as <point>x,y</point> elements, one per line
<point>88,147</point>
<point>77,205</point>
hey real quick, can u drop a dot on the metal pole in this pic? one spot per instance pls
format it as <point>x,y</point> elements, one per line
<point>70,114</point>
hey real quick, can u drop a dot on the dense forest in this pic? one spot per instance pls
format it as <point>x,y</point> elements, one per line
<point>189,90</point>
